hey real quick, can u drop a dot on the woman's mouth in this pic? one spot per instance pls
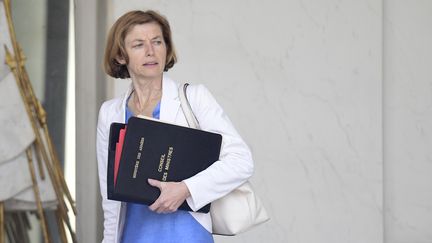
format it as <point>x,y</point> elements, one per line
<point>149,64</point>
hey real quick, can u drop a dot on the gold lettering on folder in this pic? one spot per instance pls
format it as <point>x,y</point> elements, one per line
<point>138,157</point>
<point>170,151</point>
<point>164,177</point>
<point>168,163</point>
<point>141,144</point>
<point>161,162</point>
<point>164,165</point>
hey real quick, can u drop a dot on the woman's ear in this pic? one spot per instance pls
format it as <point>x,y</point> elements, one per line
<point>121,60</point>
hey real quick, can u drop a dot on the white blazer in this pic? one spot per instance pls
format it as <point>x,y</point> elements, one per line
<point>234,167</point>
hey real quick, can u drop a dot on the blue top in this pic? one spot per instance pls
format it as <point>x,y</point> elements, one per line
<point>145,226</point>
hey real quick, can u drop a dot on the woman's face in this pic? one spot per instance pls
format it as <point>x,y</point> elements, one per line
<point>146,49</point>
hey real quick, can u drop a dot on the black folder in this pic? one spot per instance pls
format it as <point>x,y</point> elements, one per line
<point>157,150</point>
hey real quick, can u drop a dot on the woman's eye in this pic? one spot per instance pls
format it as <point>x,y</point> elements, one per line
<point>158,42</point>
<point>137,45</point>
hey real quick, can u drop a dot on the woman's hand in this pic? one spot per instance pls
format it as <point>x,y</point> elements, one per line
<point>173,194</point>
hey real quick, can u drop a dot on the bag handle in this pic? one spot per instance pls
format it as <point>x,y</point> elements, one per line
<point>186,107</point>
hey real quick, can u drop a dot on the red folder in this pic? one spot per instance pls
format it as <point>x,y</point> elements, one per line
<point>119,148</point>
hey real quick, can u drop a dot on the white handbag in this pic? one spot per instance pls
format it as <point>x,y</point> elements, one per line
<point>240,209</point>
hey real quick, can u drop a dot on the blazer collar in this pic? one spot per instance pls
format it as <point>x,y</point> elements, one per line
<point>170,101</point>
<point>120,108</point>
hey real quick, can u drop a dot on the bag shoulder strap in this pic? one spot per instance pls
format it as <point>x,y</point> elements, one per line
<point>186,107</point>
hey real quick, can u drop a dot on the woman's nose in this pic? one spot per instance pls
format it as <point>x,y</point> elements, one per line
<point>149,50</point>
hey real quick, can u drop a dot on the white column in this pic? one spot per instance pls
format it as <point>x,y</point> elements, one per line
<point>408,121</point>
<point>90,92</point>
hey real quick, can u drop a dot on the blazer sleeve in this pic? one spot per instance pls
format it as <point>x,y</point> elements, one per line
<point>110,208</point>
<point>235,164</point>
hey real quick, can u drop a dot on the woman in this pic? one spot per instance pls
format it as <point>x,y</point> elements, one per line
<point>140,47</point>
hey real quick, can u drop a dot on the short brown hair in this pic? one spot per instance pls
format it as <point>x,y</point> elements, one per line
<point>115,46</point>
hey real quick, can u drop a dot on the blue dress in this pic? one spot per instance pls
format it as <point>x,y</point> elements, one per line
<point>145,226</point>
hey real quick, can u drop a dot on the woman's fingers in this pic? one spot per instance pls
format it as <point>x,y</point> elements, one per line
<point>155,183</point>
<point>173,194</point>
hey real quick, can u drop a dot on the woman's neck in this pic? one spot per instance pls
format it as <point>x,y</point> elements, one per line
<point>146,95</point>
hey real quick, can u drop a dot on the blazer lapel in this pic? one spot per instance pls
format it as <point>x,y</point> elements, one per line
<point>170,101</point>
<point>120,107</point>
